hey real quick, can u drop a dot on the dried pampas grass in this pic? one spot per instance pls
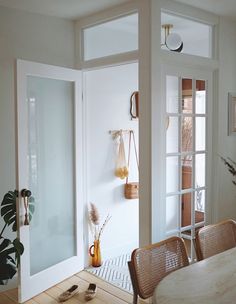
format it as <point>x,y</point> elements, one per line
<point>103,226</point>
<point>94,222</point>
<point>93,214</point>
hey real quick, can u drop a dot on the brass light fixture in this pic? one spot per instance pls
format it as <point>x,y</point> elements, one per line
<point>173,41</point>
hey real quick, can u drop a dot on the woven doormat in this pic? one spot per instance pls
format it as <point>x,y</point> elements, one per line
<point>114,271</point>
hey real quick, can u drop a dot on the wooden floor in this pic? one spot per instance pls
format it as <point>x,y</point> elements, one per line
<point>106,293</point>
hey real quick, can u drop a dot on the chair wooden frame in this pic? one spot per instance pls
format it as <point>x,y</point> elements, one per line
<point>150,264</point>
<point>216,238</point>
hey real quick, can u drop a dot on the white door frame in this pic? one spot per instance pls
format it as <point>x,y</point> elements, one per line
<point>29,286</point>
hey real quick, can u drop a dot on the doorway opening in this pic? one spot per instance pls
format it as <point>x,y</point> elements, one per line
<point>108,94</point>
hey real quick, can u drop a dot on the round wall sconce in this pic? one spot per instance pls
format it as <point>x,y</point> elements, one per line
<point>173,41</point>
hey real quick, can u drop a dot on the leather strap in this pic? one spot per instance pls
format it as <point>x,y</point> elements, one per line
<point>131,134</point>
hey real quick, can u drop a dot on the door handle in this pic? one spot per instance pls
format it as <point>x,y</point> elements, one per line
<point>25,193</point>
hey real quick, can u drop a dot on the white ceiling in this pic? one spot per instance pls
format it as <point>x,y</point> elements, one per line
<point>74,9</point>
<point>71,9</point>
<point>219,7</point>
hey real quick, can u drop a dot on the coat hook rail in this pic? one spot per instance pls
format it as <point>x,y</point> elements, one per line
<point>123,131</point>
<point>116,133</point>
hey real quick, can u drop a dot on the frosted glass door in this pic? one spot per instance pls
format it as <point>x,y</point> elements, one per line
<point>51,171</point>
<point>49,168</point>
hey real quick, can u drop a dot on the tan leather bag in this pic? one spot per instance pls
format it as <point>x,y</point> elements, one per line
<point>131,190</point>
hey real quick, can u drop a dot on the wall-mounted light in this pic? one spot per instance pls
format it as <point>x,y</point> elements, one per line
<point>173,41</point>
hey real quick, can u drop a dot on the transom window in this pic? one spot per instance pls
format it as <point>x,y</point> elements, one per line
<point>196,36</point>
<point>111,37</point>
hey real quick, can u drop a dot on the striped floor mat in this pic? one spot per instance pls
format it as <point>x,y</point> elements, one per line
<point>115,271</point>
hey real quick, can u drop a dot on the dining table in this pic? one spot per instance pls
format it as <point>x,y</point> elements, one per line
<point>209,281</point>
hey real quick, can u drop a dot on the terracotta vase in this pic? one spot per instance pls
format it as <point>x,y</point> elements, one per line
<point>95,253</point>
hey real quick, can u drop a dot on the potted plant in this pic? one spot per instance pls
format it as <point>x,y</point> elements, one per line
<point>10,250</point>
<point>97,230</point>
<point>231,166</point>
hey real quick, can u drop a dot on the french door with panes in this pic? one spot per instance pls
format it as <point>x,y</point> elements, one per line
<point>49,175</point>
<point>187,151</point>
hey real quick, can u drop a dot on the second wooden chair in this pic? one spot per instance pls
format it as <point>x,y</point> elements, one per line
<point>213,239</point>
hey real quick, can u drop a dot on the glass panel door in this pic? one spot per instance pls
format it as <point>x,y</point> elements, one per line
<point>186,154</point>
<point>51,171</point>
<point>49,116</point>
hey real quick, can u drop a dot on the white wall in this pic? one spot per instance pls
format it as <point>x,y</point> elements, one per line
<point>108,91</point>
<point>31,37</point>
<point>223,187</point>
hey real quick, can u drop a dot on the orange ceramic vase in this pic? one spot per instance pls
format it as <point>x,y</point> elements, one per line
<point>95,253</point>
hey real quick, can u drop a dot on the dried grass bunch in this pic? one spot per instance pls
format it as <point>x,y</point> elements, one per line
<point>231,166</point>
<point>94,219</point>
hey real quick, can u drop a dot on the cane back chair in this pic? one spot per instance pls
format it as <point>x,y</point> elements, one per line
<point>213,239</point>
<point>150,264</point>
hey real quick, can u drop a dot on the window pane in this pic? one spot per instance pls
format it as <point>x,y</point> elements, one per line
<point>187,134</point>
<point>172,135</point>
<point>200,170</point>
<point>187,96</point>
<point>110,38</point>
<point>172,174</point>
<point>200,133</point>
<point>172,94</point>
<point>196,36</point>
<point>200,97</point>
<point>187,172</point>
<point>199,206</point>
<point>186,209</point>
<point>172,212</point>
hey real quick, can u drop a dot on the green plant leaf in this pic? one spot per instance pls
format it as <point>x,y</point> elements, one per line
<point>9,263</point>
<point>8,209</point>
<point>6,249</point>
<point>10,216</point>
<point>5,209</point>
<point>18,246</point>
<point>14,227</point>
<point>11,221</point>
<point>5,243</point>
<point>5,253</point>
<point>10,259</point>
<point>7,271</point>
<point>9,197</point>
<point>19,249</point>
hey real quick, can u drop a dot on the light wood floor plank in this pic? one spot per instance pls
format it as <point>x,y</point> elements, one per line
<point>44,298</point>
<point>5,300</point>
<point>54,293</point>
<point>102,295</point>
<point>30,302</point>
<point>12,294</point>
<point>106,293</point>
<point>119,293</point>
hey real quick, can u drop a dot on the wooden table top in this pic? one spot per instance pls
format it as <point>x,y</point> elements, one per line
<point>212,280</point>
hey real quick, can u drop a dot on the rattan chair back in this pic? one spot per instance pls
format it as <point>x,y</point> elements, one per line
<point>149,265</point>
<point>213,239</point>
